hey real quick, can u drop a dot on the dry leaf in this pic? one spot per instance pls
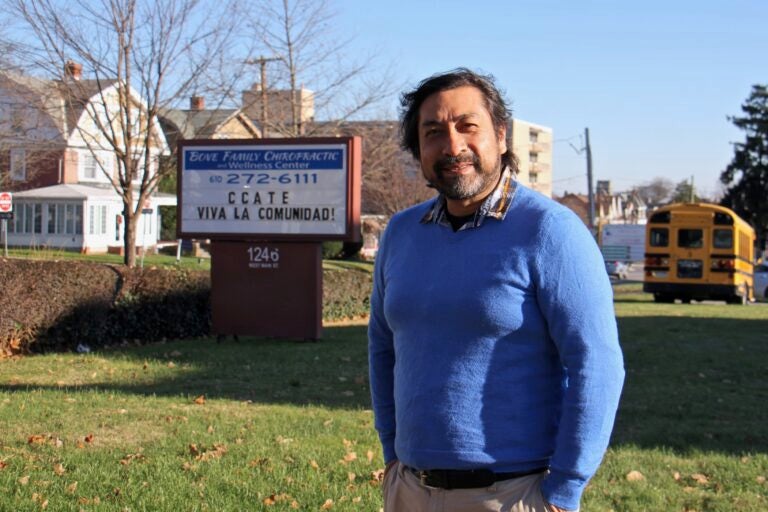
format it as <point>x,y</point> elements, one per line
<point>36,439</point>
<point>88,438</point>
<point>130,458</point>
<point>3,464</point>
<point>295,504</point>
<point>369,455</point>
<point>72,488</point>
<point>357,499</point>
<point>171,364</point>
<point>327,505</point>
<point>350,457</point>
<point>377,476</point>
<point>194,450</point>
<point>700,479</point>
<point>676,475</point>
<point>269,500</point>
<point>351,477</point>
<point>210,429</point>
<point>24,480</point>
<point>283,440</point>
<point>59,469</point>
<point>314,464</point>
<point>635,476</point>
<point>760,479</point>
<point>200,400</point>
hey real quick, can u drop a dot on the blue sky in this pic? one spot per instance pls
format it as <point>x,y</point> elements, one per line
<point>653,81</point>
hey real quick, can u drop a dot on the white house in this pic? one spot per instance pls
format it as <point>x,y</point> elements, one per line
<point>55,156</point>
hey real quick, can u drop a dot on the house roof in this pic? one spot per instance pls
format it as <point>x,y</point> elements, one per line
<point>201,124</point>
<point>81,192</point>
<point>66,191</point>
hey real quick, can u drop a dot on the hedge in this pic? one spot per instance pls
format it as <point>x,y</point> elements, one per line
<point>60,305</point>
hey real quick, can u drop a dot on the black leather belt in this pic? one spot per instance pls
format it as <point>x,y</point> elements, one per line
<point>466,478</point>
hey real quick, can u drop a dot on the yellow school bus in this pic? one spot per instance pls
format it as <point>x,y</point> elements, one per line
<point>698,251</point>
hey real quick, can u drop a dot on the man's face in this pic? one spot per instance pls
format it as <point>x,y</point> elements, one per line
<point>460,150</point>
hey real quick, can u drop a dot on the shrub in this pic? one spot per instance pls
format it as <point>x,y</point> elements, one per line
<point>58,305</point>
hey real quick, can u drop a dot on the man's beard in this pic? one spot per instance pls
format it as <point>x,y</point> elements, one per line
<point>464,186</point>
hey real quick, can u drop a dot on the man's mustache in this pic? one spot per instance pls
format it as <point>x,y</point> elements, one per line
<point>447,162</point>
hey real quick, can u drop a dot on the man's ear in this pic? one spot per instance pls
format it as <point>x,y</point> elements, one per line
<point>501,134</point>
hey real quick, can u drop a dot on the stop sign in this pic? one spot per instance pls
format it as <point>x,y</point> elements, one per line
<point>6,203</point>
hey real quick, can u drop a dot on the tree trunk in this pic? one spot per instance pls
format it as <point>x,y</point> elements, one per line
<point>129,237</point>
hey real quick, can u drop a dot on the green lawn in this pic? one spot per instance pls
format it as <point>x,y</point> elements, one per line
<point>281,425</point>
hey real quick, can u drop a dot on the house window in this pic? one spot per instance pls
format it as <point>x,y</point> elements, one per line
<point>18,164</point>
<point>96,164</point>
<point>97,220</point>
<point>28,218</point>
<point>533,177</point>
<point>533,136</point>
<point>90,166</point>
<point>533,157</point>
<point>65,219</point>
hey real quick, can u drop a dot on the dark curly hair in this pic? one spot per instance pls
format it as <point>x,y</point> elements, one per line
<point>410,103</point>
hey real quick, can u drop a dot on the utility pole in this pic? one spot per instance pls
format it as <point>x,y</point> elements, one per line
<point>262,62</point>
<point>590,191</point>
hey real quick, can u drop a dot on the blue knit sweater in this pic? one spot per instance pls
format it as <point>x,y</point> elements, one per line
<point>495,347</point>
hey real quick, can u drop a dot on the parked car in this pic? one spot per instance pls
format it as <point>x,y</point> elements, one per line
<point>761,281</point>
<point>617,269</point>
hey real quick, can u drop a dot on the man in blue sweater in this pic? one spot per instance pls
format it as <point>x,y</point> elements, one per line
<point>494,356</point>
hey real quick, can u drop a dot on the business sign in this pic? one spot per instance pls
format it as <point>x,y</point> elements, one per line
<point>304,189</point>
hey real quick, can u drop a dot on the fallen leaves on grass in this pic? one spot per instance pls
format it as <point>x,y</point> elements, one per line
<point>274,499</point>
<point>72,488</point>
<point>200,400</point>
<point>59,469</point>
<point>205,455</point>
<point>23,480</point>
<point>88,439</point>
<point>327,505</point>
<point>131,457</point>
<point>3,465</point>
<point>700,479</point>
<point>635,476</point>
<point>38,439</point>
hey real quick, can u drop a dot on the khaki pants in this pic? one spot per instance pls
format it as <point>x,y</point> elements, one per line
<point>403,492</point>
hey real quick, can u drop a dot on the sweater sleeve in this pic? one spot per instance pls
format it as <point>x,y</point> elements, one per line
<point>575,296</point>
<point>381,357</point>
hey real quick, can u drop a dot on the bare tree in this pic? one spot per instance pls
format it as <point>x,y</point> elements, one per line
<point>300,46</point>
<point>140,56</point>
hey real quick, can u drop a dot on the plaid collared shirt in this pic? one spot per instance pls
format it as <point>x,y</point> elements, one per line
<point>495,205</point>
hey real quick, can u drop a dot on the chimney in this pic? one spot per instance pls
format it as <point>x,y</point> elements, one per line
<point>197,103</point>
<point>73,70</point>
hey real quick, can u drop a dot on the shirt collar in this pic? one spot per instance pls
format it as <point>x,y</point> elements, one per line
<point>496,205</point>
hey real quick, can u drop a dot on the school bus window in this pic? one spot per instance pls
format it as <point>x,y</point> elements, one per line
<point>690,238</point>
<point>659,237</point>
<point>722,239</point>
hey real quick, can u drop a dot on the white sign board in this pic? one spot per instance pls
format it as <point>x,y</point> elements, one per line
<point>238,188</point>
<point>630,236</point>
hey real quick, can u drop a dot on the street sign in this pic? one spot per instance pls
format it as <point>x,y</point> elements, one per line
<point>6,202</point>
<point>6,215</point>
